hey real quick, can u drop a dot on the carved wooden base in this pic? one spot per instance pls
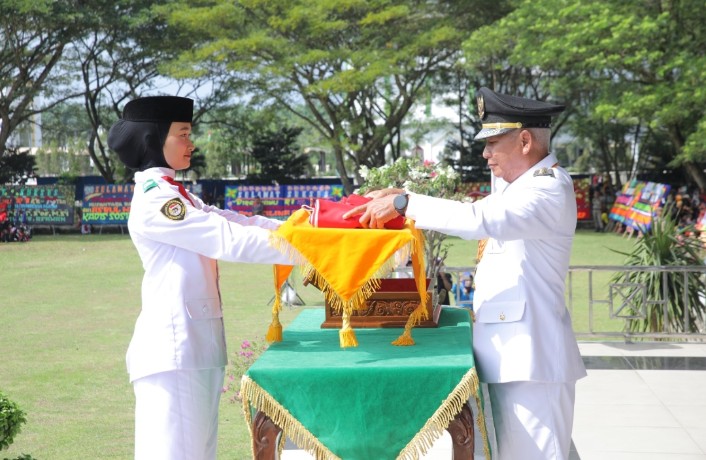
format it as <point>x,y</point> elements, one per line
<point>389,306</point>
<point>265,434</point>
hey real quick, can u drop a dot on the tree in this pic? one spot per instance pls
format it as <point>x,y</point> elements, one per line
<point>642,63</point>
<point>357,66</point>
<point>470,165</point>
<point>16,167</point>
<point>197,165</point>
<point>279,157</point>
<point>33,36</point>
<point>228,133</point>
<point>114,62</point>
<point>123,53</point>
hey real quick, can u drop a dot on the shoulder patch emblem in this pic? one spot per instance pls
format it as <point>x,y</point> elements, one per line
<point>149,185</point>
<point>543,172</point>
<point>174,209</point>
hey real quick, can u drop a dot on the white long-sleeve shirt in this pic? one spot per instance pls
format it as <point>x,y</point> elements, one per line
<point>523,330</point>
<point>181,322</point>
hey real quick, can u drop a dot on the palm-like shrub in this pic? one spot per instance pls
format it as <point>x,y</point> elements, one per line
<point>666,244</point>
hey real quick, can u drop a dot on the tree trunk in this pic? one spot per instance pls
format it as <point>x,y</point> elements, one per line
<point>696,173</point>
<point>341,168</point>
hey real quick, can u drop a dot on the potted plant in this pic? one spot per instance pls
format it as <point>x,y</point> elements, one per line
<point>666,243</point>
<point>425,178</point>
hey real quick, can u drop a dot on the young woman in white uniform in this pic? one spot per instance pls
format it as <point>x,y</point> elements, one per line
<point>177,355</point>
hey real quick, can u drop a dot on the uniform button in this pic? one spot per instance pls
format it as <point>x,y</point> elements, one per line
<point>502,316</point>
<point>204,308</point>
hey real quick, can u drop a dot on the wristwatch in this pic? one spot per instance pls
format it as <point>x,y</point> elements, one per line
<point>400,203</point>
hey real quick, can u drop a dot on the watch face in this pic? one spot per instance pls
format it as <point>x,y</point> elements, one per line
<point>400,203</point>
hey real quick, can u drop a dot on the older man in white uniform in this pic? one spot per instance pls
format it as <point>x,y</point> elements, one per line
<point>177,355</point>
<point>523,340</point>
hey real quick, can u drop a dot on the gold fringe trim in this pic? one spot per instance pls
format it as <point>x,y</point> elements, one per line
<point>347,336</point>
<point>280,243</point>
<point>437,423</point>
<point>357,301</point>
<point>420,313</point>
<point>254,395</point>
<point>481,249</point>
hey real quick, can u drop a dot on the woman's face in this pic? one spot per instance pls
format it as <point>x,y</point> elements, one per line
<point>178,146</point>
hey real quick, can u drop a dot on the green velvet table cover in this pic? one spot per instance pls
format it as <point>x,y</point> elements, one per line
<point>374,401</point>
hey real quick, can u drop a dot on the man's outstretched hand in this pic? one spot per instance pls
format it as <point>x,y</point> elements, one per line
<point>379,211</point>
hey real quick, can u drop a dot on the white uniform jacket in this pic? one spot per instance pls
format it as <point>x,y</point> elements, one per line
<point>181,322</point>
<point>523,330</point>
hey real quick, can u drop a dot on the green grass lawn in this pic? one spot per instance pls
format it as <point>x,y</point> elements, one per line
<point>67,309</point>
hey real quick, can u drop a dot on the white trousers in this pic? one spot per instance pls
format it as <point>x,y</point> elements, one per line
<point>533,420</point>
<point>176,415</point>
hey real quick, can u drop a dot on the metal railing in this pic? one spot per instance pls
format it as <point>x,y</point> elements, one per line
<point>601,308</point>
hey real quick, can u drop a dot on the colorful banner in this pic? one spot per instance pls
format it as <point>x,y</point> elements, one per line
<point>38,204</point>
<point>110,204</point>
<point>637,203</point>
<point>280,201</point>
<point>106,204</point>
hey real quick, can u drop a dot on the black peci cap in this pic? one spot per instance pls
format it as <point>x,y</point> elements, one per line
<point>160,109</point>
<point>501,113</point>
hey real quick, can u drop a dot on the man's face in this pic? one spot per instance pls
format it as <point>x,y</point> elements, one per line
<point>504,153</point>
<point>178,146</point>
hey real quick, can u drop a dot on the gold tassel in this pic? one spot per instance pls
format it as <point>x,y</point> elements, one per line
<point>346,335</point>
<point>274,332</point>
<point>405,340</point>
<point>420,313</point>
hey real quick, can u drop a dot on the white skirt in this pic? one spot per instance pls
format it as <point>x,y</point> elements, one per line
<point>176,414</point>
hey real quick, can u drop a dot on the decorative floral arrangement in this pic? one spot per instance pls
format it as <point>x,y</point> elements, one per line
<point>412,174</point>
<point>241,362</point>
<point>426,178</point>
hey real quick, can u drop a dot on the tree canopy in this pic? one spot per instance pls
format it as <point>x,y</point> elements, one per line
<point>630,72</point>
<point>633,63</point>
<point>352,69</point>
<point>33,36</point>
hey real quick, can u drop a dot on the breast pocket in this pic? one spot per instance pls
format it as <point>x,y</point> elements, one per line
<point>204,308</point>
<point>501,311</point>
